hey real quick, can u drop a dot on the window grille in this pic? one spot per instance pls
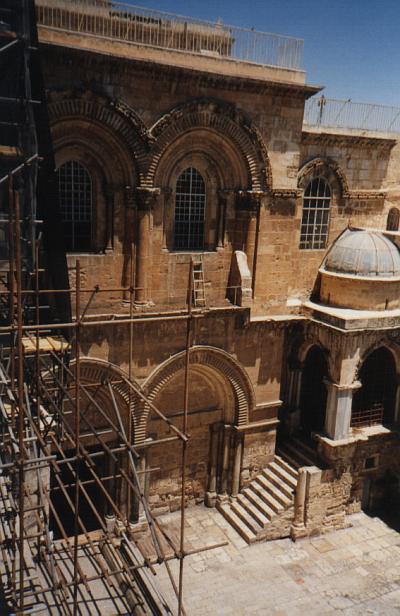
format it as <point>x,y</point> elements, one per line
<point>315,219</point>
<point>393,219</point>
<point>190,204</point>
<point>75,190</point>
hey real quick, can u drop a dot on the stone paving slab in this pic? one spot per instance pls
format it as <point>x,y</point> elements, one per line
<point>354,571</point>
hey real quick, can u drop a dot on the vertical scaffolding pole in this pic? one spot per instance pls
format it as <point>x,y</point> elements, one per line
<point>20,350</point>
<point>77,429</point>
<point>184,430</point>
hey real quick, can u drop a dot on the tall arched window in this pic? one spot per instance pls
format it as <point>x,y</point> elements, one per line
<point>190,207</point>
<point>315,219</point>
<point>393,219</point>
<point>75,190</point>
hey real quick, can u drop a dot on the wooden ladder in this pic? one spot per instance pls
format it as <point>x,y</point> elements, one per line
<point>199,294</point>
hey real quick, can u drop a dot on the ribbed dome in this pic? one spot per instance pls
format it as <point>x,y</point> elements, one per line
<point>363,253</point>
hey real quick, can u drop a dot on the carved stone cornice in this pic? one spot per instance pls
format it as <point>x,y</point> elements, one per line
<point>286,193</point>
<point>364,195</point>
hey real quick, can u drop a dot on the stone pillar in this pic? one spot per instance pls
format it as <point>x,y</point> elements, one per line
<point>221,219</point>
<point>137,515</point>
<point>226,449</point>
<point>338,409</point>
<point>110,192</point>
<point>293,398</point>
<point>299,504</point>
<point>397,401</point>
<point>237,464</point>
<point>211,494</point>
<point>146,198</point>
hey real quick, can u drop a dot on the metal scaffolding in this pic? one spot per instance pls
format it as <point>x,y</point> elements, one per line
<point>52,561</point>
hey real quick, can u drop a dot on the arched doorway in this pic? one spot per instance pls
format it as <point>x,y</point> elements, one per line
<point>313,391</point>
<point>220,396</point>
<point>374,402</point>
<point>107,404</point>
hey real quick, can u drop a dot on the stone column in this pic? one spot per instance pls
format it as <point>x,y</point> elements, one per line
<point>338,409</point>
<point>237,464</point>
<point>397,401</point>
<point>299,504</point>
<point>221,220</point>
<point>146,198</point>
<point>226,449</point>
<point>211,494</point>
<point>110,192</point>
<point>293,398</point>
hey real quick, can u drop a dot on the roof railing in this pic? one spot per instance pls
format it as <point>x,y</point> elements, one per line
<point>143,26</point>
<point>346,114</point>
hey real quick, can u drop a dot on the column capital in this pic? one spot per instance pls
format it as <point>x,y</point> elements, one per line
<point>146,196</point>
<point>249,200</point>
<point>342,387</point>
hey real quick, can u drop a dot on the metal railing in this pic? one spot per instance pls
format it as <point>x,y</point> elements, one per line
<point>332,113</point>
<point>367,417</point>
<point>134,24</point>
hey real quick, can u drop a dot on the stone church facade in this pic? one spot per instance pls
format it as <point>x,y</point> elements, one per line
<point>164,157</point>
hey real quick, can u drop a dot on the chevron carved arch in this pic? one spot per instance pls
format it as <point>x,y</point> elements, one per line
<point>227,368</point>
<point>101,372</point>
<point>113,115</point>
<point>223,118</point>
<point>319,165</point>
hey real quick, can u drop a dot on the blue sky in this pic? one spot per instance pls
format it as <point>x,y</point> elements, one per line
<point>351,46</point>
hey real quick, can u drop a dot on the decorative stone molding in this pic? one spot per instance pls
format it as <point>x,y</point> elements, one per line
<point>217,360</point>
<point>115,116</point>
<point>249,200</point>
<point>101,371</point>
<point>222,117</point>
<point>365,195</point>
<point>316,165</point>
<point>286,193</point>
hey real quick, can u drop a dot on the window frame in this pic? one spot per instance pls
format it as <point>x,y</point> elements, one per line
<point>315,225</point>
<point>189,200</point>
<point>73,248</point>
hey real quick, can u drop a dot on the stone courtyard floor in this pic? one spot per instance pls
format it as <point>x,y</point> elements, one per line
<point>355,571</point>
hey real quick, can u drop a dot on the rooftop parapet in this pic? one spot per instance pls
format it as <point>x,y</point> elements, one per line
<point>138,26</point>
<point>321,112</point>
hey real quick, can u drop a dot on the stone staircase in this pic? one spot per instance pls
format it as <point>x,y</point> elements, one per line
<point>297,452</point>
<point>264,508</point>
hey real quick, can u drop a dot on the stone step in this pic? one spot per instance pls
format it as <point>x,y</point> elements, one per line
<point>294,456</point>
<point>281,484</point>
<point>259,503</point>
<point>262,517</point>
<point>281,470</point>
<point>286,466</point>
<point>237,523</point>
<point>275,491</point>
<point>246,517</point>
<point>267,497</point>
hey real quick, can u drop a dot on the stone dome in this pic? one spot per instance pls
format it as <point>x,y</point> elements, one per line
<point>363,254</point>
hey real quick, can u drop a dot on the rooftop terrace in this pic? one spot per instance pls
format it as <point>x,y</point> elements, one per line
<point>137,26</point>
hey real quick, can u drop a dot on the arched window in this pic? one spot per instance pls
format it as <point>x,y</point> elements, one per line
<point>315,219</point>
<point>75,190</point>
<point>374,402</point>
<point>190,206</point>
<point>393,219</point>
